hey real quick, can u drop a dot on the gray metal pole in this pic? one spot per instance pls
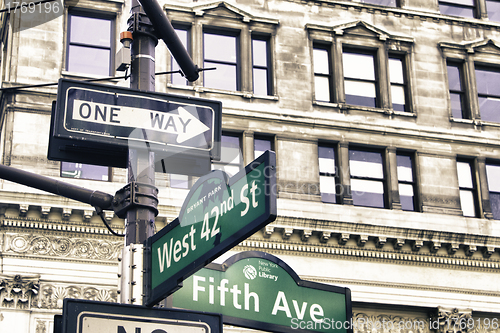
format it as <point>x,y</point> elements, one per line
<point>140,221</point>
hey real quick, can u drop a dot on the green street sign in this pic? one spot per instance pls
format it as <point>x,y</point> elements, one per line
<point>258,290</point>
<point>217,214</point>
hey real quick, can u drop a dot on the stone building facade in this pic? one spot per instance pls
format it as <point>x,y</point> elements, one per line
<point>383,115</point>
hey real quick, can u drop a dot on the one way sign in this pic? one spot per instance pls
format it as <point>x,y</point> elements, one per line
<point>90,119</point>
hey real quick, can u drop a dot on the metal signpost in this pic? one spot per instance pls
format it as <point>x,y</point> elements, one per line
<point>216,215</point>
<point>258,290</point>
<point>81,316</point>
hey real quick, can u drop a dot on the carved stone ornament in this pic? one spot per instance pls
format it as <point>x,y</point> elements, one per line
<point>52,296</point>
<point>57,246</point>
<point>19,292</point>
<point>365,323</point>
<point>452,320</point>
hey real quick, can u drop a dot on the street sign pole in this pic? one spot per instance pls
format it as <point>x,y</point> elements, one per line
<point>140,221</point>
<point>141,173</point>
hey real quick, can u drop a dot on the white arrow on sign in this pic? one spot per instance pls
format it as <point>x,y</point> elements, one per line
<point>184,124</point>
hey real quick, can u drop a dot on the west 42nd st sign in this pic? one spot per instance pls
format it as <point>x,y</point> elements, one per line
<point>258,290</point>
<point>217,214</point>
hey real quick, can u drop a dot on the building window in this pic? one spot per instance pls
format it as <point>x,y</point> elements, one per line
<point>406,181</point>
<point>261,66</point>
<point>493,175</point>
<point>322,74</point>
<point>367,178</point>
<point>457,91</point>
<point>261,144</point>
<point>493,10</point>
<point>327,174</point>
<point>183,34</point>
<point>488,93</point>
<point>231,155</point>
<point>360,81</point>
<point>221,51</point>
<point>462,8</point>
<point>84,171</point>
<point>391,3</point>
<point>467,187</point>
<point>90,46</point>
<point>398,81</point>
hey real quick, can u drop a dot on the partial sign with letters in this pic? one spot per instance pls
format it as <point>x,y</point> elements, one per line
<point>82,316</point>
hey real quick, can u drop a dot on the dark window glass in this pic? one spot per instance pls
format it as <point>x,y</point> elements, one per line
<point>493,175</point>
<point>359,79</point>
<point>89,45</point>
<point>493,9</point>
<point>463,8</point>
<point>467,187</point>
<point>260,145</point>
<point>327,174</point>
<point>84,171</point>
<point>406,182</point>
<point>261,66</point>
<point>367,178</point>
<point>220,51</point>
<point>177,78</point>
<point>391,3</point>
<point>457,93</point>
<point>488,91</point>
<point>399,88</point>
<point>231,156</point>
<point>322,74</point>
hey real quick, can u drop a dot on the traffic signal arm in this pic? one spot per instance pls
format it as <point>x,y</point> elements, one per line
<point>91,197</point>
<point>164,29</point>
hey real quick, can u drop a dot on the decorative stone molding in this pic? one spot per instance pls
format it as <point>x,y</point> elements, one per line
<point>325,236</point>
<point>362,239</point>
<point>343,238</point>
<point>367,323</point>
<point>66,213</point>
<point>380,242</point>
<point>268,231</point>
<point>19,292</point>
<point>306,234</point>
<point>452,320</point>
<point>45,211</point>
<point>452,248</point>
<point>58,246</point>
<point>374,254</point>
<point>52,296</point>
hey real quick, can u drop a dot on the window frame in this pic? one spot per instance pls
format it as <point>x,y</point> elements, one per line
<point>485,54</point>
<point>374,40</point>
<point>86,178</point>
<point>236,64</point>
<point>81,12</point>
<point>383,180</point>
<point>268,68</point>
<point>491,208</point>
<point>347,49</point>
<point>474,189</point>
<point>204,18</point>
<point>413,182</point>
<point>454,4</point>
<point>336,175</point>
<point>222,163</point>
